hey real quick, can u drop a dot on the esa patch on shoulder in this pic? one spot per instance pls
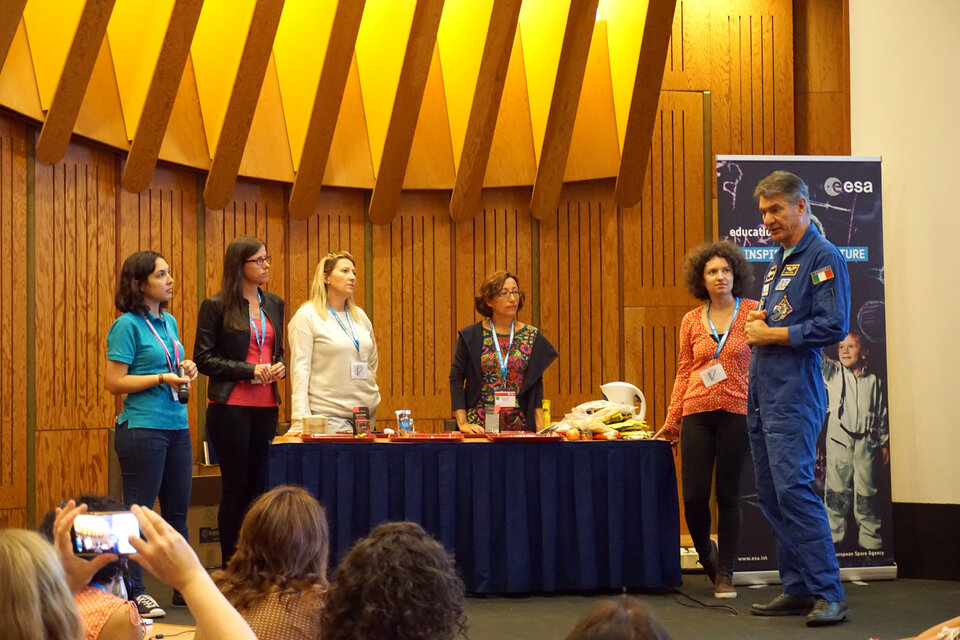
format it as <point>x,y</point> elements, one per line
<point>822,275</point>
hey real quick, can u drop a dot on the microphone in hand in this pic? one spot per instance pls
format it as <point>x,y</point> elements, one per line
<point>183,392</point>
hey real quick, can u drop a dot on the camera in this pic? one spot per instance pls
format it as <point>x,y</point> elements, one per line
<point>104,532</point>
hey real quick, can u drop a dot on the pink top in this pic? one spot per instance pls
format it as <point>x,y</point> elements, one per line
<point>696,354</point>
<point>245,393</point>
<point>95,606</point>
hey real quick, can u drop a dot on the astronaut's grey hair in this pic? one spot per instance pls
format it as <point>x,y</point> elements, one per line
<point>782,183</point>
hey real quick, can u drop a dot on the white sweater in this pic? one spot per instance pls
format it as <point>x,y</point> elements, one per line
<point>320,356</point>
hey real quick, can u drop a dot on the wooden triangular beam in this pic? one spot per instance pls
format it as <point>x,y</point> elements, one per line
<point>10,13</point>
<point>406,109</point>
<point>243,103</point>
<point>326,108</point>
<point>563,107</point>
<point>465,201</point>
<point>637,138</point>
<point>161,95</point>
<point>62,116</point>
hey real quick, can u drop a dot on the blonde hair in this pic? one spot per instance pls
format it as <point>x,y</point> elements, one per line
<point>318,288</point>
<point>36,603</point>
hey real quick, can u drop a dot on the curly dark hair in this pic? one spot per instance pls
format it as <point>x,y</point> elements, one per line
<point>625,618</point>
<point>135,271</point>
<point>490,287</point>
<point>398,583</point>
<point>284,546</point>
<point>697,259</point>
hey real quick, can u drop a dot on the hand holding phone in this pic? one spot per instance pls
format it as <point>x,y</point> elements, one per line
<point>79,571</point>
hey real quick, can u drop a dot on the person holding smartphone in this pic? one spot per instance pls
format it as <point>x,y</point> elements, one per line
<point>146,365</point>
<point>239,345</point>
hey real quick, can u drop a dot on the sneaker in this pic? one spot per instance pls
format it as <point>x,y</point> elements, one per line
<point>785,604</point>
<point>826,612</point>
<point>148,607</point>
<point>724,586</point>
<point>710,563</point>
<point>178,600</point>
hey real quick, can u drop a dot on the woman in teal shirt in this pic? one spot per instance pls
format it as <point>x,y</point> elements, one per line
<point>152,435</point>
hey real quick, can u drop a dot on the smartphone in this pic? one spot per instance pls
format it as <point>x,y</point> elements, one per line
<point>94,533</point>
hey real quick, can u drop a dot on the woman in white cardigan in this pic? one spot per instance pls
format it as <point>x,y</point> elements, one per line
<point>333,352</point>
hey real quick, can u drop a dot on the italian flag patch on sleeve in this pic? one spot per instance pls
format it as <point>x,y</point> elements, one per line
<point>822,275</point>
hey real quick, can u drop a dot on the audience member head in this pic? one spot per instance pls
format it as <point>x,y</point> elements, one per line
<point>398,583</point>
<point>110,572</point>
<point>624,618</point>
<point>284,545</point>
<point>36,603</point>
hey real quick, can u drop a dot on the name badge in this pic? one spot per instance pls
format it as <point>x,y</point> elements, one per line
<point>359,370</point>
<point>713,375</point>
<point>505,399</point>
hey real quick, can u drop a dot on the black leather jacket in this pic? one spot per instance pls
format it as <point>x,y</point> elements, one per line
<point>221,353</point>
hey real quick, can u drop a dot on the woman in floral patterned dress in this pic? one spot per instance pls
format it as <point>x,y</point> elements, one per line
<point>499,362</point>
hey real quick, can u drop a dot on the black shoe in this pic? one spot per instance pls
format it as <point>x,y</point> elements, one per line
<point>711,563</point>
<point>826,612</point>
<point>148,607</point>
<point>178,600</point>
<point>785,604</point>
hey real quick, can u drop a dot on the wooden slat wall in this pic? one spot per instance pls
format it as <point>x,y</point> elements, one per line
<point>258,209</point>
<point>13,319</point>
<point>76,209</point>
<point>412,309</point>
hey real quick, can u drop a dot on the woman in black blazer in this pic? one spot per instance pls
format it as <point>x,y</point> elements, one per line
<point>239,346</point>
<point>506,370</point>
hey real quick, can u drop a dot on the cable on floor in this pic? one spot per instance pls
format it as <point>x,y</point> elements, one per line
<point>723,607</point>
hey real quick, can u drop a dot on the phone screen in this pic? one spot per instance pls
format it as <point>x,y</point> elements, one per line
<point>104,532</point>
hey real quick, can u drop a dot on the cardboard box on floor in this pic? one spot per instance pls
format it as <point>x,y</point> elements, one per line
<point>205,534</point>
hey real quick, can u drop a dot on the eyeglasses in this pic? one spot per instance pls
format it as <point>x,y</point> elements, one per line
<point>503,295</point>
<point>260,261</point>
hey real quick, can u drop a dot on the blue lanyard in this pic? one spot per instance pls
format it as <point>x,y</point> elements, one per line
<point>172,364</point>
<point>256,333</point>
<point>502,359</point>
<point>352,334</point>
<point>713,329</point>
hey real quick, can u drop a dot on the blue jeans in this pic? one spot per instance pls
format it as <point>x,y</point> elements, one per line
<point>155,463</point>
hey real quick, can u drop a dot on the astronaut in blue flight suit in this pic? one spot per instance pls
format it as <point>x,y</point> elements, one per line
<point>804,305</point>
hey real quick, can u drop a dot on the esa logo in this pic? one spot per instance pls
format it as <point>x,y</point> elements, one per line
<point>834,187</point>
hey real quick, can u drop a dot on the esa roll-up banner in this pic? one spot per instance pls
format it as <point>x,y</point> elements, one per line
<point>852,473</point>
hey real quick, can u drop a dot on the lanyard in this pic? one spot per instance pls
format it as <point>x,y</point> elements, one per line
<point>713,328</point>
<point>176,346</point>
<point>256,334</point>
<point>352,333</point>
<point>502,359</point>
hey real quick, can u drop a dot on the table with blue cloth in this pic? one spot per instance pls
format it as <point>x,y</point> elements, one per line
<point>519,517</point>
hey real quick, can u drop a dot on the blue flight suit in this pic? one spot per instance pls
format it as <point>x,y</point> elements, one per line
<point>809,293</point>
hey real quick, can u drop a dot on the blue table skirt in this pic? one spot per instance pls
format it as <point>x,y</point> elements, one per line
<point>518,517</point>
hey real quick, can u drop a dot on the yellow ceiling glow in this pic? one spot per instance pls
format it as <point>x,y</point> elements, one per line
<point>381,45</point>
<point>50,27</point>
<point>463,32</point>
<point>136,31</point>
<point>542,23</point>
<point>299,51</point>
<point>216,50</point>
<point>625,20</point>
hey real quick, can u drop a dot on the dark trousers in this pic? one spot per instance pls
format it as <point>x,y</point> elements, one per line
<point>155,463</point>
<point>714,438</point>
<point>240,437</point>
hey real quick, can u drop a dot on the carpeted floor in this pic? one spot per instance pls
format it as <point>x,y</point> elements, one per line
<point>886,610</point>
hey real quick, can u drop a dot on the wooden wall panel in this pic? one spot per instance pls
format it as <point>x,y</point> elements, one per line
<point>580,293</point>
<point>413,309</point>
<point>669,218</point>
<point>752,77</point>
<point>70,462</point>
<point>688,58</point>
<point>13,518</point>
<point>163,218</point>
<point>75,266</point>
<point>13,319</point>
<point>258,209</point>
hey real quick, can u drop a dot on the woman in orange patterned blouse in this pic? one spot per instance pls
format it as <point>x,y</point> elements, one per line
<point>709,401</point>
